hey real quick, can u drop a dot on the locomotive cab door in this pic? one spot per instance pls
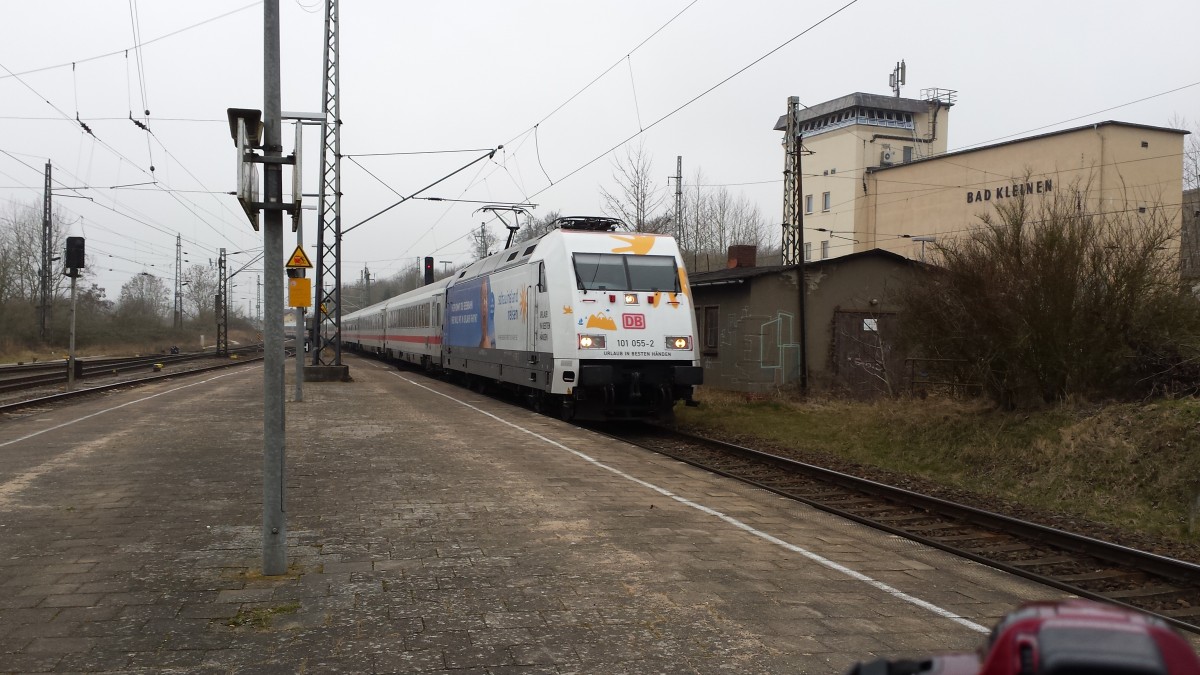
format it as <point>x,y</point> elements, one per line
<point>539,315</point>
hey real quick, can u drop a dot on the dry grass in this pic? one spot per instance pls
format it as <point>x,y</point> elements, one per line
<point>1135,467</point>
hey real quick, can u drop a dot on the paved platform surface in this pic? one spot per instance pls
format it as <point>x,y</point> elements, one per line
<point>432,530</point>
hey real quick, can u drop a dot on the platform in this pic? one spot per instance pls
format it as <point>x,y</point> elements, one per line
<point>432,529</point>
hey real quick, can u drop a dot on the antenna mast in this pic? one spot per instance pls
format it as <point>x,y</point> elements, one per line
<point>897,78</point>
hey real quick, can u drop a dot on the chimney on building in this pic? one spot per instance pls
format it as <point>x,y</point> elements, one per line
<point>742,256</point>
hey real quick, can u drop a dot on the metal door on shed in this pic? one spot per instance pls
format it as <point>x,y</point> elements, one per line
<point>866,362</point>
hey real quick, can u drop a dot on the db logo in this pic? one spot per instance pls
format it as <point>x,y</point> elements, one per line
<point>633,320</point>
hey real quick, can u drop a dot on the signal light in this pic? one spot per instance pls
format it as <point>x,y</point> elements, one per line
<point>75,258</point>
<point>631,298</point>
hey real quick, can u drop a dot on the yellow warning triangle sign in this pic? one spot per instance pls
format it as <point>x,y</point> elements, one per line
<point>299,259</point>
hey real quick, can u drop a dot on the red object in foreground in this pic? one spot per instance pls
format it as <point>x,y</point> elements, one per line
<point>1070,637</point>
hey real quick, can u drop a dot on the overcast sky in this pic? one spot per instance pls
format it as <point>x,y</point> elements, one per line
<point>475,74</point>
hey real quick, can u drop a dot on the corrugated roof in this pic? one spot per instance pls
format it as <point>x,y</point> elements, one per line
<point>738,274</point>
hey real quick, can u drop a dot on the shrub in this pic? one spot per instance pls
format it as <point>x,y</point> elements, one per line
<point>1058,301</point>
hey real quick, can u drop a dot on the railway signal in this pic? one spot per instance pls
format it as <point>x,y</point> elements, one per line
<point>73,263</point>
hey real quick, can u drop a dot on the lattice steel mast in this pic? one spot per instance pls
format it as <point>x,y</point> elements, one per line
<point>793,235</point>
<point>327,339</point>
<point>47,266</point>
<point>178,323</point>
<point>222,306</point>
<point>793,225</point>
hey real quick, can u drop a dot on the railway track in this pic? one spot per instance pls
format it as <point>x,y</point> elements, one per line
<point>34,378</point>
<point>15,377</point>
<point>1076,564</point>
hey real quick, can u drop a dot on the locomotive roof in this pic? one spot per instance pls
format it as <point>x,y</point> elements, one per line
<point>518,253</point>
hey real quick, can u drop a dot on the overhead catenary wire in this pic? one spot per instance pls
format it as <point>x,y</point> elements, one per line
<point>121,155</point>
<point>140,44</point>
<point>705,93</point>
<point>112,119</point>
<point>437,221</point>
<point>489,155</point>
<point>142,220</point>
<point>606,71</point>
<point>411,152</point>
<point>139,57</point>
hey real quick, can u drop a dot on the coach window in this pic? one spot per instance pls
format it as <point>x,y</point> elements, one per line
<point>711,330</point>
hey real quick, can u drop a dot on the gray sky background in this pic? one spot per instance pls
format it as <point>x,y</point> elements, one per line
<point>436,76</point>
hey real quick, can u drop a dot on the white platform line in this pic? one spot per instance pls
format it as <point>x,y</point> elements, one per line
<point>815,557</point>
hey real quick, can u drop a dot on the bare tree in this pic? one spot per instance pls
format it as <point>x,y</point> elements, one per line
<point>715,219</point>
<point>144,301</point>
<point>733,221</point>
<point>1191,152</point>
<point>536,227</point>
<point>636,198</point>
<point>200,287</point>
<point>22,252</point>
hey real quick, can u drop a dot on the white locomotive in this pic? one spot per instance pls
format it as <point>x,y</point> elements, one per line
<point>587,322</point>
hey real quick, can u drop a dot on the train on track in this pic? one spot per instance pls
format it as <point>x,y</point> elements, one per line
<point>587,322</point>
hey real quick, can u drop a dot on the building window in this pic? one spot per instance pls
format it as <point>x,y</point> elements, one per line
<point>807,251</point>
<point>825,202</point>
<point>808,203</point>
<point>710,330</point>
<point>824,249</point>
<point>908,153</point>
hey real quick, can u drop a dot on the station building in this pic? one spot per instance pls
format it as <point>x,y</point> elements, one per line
<point>878,190</point>
<point>876,173</point>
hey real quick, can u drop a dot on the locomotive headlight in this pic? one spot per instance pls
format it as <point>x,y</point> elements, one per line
<point>591,342</point>
<point>679,342</point>
<point>631,299</point>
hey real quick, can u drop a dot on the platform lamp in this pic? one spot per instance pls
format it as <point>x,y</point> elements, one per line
<point>74,262</point>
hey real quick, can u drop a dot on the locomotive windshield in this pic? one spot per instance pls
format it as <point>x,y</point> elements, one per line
<point>609,272</point>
